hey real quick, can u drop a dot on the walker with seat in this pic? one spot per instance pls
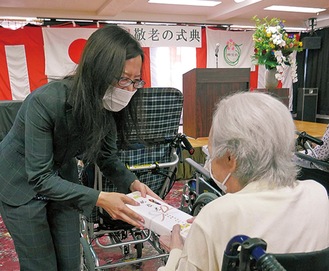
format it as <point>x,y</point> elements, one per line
<point>154,160</point>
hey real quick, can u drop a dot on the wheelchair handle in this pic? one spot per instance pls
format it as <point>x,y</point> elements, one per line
<point>303,136</point>
<point>269,263</point>
<point>251,248</point>
<point>187,144</point>
<point>257,248</point>
<point>175,160</point>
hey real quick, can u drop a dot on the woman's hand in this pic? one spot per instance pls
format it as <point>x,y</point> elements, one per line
<point>175,240</point>
<point>143,188</point>
<point>115,205</point>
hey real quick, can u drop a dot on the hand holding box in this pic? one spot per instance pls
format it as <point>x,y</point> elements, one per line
<point>159,216</point>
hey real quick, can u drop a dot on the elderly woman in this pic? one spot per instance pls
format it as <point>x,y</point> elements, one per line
<point>252,142</point>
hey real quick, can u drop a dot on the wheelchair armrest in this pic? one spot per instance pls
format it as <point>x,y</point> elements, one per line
<point>200,169</point>
<point>312,159</point>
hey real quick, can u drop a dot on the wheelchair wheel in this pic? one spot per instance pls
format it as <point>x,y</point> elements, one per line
<point>87,259</point>
<point>188,197</point>
<point>201,201</point>
<point>139,246</point>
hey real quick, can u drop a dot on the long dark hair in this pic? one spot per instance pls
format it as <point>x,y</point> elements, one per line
<point>101,65</point>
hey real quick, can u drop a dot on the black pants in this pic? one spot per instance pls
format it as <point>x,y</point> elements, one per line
<point>45,234</point>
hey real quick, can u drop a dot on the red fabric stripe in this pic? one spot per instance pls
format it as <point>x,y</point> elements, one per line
<point>279,84</point>
<point>146,70</point>
<point>5,92</point>
<point>201,53</point>
<point>31,38</point>
<point>254,79</point>
<point>35,57</point>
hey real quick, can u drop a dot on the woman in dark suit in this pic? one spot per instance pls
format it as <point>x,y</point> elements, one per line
<point>79,116</point>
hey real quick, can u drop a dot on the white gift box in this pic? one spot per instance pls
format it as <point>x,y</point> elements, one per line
<point>159,216</point>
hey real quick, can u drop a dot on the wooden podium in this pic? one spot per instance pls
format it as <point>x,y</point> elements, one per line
<point>202,89</point>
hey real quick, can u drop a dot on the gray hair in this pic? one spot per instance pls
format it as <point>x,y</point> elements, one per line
<point>258,130</point>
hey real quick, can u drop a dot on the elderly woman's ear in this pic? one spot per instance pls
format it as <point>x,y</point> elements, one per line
<point>230,161</point>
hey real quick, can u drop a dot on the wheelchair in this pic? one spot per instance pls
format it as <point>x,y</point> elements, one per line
<point>201,189</point>
<point>310,167</point>
<point>243,253</point>
<point>198,191</point>
<point>154,161</point>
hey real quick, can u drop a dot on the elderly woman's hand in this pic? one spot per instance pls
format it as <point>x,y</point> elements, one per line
<point>144,189</point>
<point>175,240</point>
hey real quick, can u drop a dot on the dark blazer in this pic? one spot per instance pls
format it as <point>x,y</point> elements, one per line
<point>38,154</point>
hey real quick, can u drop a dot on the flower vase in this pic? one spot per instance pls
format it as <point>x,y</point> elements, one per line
<point>270,80</point>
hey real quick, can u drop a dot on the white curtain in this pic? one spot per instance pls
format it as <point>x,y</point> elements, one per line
<point>168,64</point>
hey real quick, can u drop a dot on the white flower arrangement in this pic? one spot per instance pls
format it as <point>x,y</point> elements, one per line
<point>274,47</point>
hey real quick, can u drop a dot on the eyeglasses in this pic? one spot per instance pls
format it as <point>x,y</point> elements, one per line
<point>125,82</point>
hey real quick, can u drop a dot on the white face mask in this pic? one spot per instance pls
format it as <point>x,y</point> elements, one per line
<point>221,185</point>
<point>115,99</point>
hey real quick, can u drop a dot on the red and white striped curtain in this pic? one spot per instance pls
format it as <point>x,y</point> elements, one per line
<point>31,55</point>
<point>22,62</point>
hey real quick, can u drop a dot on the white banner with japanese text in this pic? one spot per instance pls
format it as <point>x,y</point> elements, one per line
<point>166,36</point>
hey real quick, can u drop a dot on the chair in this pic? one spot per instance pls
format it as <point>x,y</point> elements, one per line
<point>246,254</point>
<point>8,111</point>
<point>154,161</point>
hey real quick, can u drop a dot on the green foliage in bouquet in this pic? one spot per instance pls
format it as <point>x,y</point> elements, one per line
<point>274,46</point>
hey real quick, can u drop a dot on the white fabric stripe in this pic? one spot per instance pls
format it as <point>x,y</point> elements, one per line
<point>17,69</point>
